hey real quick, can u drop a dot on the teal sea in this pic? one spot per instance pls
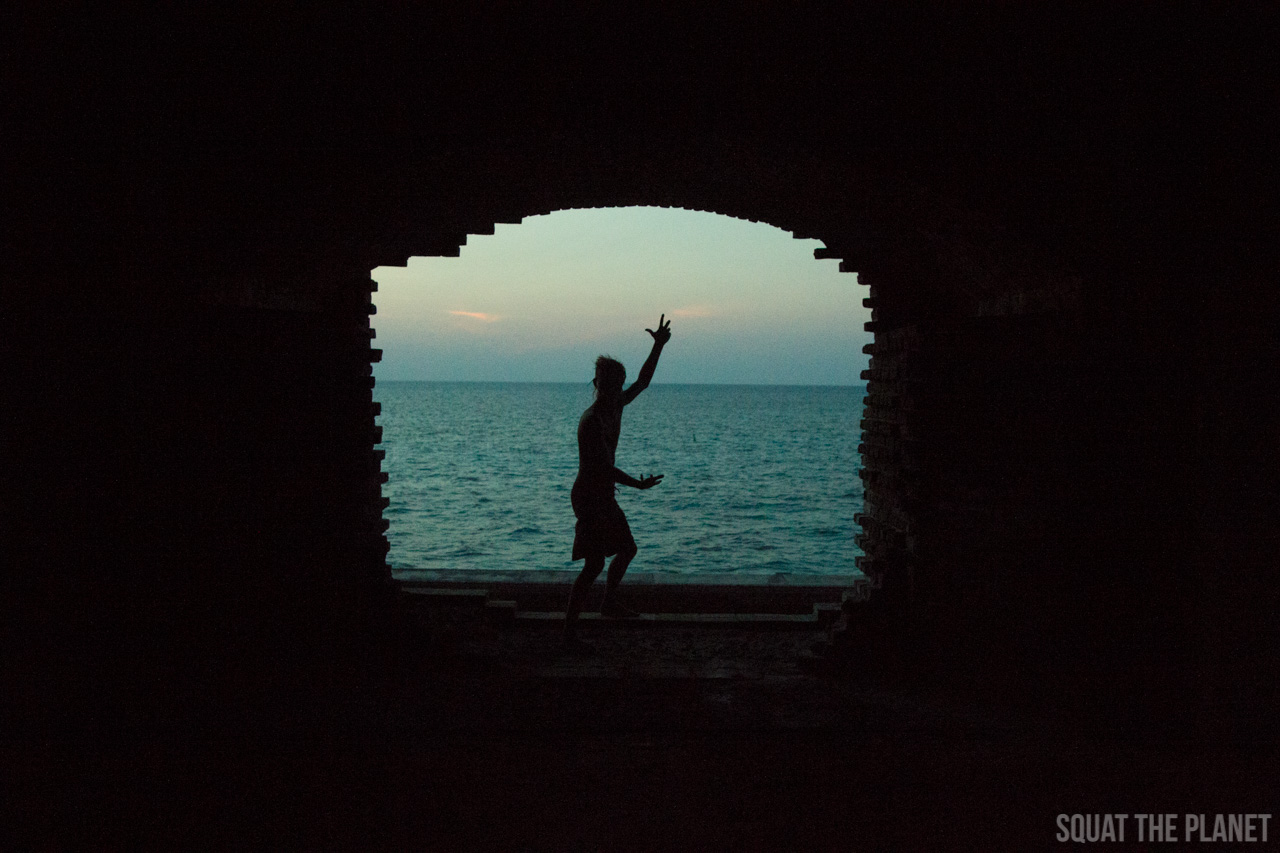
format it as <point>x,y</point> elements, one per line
<point>757,478</point>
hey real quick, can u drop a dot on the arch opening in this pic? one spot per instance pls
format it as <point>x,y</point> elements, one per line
<point>486,369</point>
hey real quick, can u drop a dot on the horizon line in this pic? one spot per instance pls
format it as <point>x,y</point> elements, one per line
<point>651,384</point>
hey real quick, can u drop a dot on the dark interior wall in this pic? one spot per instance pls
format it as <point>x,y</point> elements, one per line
<point>1064,217</point>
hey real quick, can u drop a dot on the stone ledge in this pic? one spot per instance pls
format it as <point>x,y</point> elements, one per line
<point>536,592</point>
<point>822,616</point>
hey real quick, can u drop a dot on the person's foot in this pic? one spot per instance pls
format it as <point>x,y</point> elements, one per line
<point>614,610</point>
<point>572,645</point>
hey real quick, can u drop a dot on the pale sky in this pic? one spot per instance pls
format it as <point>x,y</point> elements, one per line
<point>538,301</point>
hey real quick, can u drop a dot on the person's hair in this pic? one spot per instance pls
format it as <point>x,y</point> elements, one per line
<point>607,368</point>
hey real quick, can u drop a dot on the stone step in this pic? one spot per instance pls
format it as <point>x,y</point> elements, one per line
<point>443,595</point>
<point>757,621</point>
<point>544,591</point>
<point>821,617</point>
<point>661,677</point>
<point>739,608</point>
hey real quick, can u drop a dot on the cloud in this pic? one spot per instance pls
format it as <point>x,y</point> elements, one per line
<point>693,311</point>
<point>477,315</point>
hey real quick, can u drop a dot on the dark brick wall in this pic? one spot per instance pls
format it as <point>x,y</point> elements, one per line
<point>1069,441</point>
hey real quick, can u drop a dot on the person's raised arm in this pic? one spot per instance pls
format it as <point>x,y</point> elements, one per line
<point>660,338</point>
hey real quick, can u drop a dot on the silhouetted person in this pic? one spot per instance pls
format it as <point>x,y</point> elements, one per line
<point>602,529</point>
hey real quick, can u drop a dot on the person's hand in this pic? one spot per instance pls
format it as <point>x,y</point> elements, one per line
<point>663,334</point>
<point>648,482</point>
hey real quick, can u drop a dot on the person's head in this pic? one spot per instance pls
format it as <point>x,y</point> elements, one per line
<point>610,374</point>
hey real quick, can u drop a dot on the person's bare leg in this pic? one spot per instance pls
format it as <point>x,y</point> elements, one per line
<point>577,595</point>
<point>617,568</point>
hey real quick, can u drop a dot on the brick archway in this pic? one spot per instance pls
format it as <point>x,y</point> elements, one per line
<point>943,281</point>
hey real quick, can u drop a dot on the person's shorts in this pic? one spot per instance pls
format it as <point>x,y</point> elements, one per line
<point>602,528</point>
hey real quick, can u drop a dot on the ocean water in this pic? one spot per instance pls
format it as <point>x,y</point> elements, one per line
<point>757,478</point>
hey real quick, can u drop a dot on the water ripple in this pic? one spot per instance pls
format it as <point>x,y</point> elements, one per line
<point>479,475</point>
